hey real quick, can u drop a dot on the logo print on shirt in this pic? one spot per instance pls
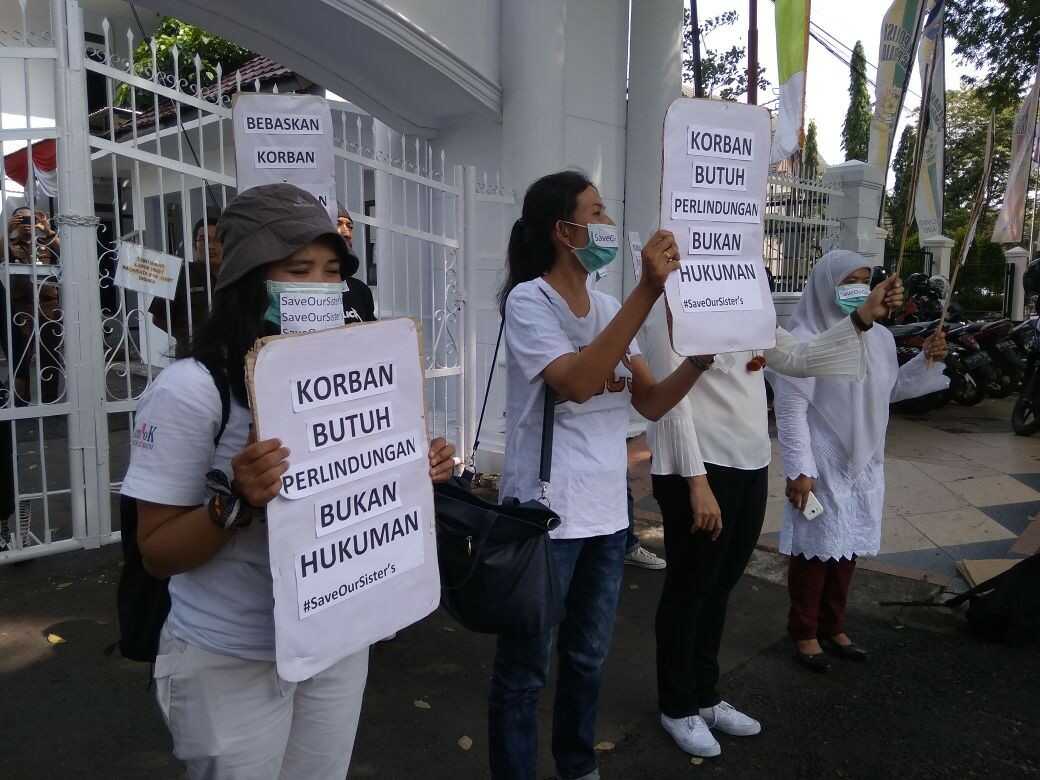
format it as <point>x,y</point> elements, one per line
<point>144,436</point>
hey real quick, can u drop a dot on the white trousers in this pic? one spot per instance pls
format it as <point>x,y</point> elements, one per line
<point>235,719</point>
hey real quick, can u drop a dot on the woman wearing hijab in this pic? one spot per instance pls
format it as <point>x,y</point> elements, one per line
<point>832,438</point>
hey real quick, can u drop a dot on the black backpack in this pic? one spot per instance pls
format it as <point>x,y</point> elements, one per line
<point>143,601</point>
<point>1005,608</point>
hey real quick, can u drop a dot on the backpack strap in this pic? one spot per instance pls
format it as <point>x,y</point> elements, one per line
<point>224,390</point>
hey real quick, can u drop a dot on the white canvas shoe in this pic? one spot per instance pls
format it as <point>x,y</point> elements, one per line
<point>730,720</point>
<point>644,559</point>
<point>692,735</point>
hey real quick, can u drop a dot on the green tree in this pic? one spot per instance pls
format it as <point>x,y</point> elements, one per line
<point>724,72</point>
<point>1001,39</point>
<point>189,40</point>
<point>855,132</point>
<point>811,153</point>
<point>902,169</point>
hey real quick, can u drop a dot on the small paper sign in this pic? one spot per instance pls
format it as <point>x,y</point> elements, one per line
<point>147,271</point>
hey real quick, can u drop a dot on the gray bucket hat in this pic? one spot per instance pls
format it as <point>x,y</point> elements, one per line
<point>268,223</point>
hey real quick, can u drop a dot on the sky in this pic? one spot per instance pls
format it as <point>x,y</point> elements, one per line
<point>827,78</point>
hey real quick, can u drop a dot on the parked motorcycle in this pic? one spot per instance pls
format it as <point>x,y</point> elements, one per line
<point>964,387</point>
<point>1009,360</point>
<point>1024,419</point>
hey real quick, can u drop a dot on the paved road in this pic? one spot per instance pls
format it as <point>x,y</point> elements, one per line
<point>931,704</point>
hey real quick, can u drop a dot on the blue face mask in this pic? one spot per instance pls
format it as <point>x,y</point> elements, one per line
<point>601,249</point>
<point>851,296</point>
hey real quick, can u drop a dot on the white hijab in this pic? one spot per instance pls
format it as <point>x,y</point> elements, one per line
<point>857,411</point>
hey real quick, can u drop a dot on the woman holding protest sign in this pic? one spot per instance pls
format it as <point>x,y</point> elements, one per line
<point>201,481</point>
<point>832,438</point>
<point>710,461</point>
<point>562,338</point>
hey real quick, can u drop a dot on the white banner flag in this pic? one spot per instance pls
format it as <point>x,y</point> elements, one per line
<point>1008,227</point>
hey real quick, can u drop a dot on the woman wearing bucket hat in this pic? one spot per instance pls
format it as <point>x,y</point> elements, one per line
<point>229,713</point>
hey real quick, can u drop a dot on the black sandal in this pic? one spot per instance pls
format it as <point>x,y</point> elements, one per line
<point>849,652</point>
<point>816,662</point>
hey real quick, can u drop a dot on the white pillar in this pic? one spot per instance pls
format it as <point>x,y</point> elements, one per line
<point>655,80</point>
<point>941,248</point>
<point>857,209</point>
<point>533,61</point>
<point>1018,258</point>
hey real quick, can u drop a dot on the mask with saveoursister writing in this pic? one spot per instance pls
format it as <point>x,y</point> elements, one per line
<point>851,296</point>
<point>602,247</point>
<point>303,307</point>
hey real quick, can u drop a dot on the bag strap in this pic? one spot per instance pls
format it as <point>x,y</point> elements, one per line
<point>548,420</point>
<point>224,390</point>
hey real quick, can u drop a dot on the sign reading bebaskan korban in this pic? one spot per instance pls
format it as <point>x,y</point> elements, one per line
<point>713,192</point>
<point>285,139</point>
<point>351,535</point>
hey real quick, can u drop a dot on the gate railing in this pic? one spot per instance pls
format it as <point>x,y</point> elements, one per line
<point>155,159</point>
<point>797,229</point>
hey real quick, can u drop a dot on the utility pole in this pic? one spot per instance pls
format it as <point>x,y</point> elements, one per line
<point>695,38</point>
<point>752,57</point>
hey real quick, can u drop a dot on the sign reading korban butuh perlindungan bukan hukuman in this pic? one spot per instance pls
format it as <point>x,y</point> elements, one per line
<point>713,193</point>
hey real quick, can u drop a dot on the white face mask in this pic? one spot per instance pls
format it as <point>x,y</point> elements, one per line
<point>303,307</point>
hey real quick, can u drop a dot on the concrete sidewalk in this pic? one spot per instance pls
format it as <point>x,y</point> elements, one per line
<point>959,485</point>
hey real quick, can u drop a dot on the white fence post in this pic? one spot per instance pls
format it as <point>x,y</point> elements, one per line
<point>468,258</point>
<point>78,231</point>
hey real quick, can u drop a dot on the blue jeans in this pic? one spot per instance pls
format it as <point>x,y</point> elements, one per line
<point>590,572</point>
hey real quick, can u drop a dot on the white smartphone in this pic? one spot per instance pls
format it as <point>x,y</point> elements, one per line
<point>813,507</point>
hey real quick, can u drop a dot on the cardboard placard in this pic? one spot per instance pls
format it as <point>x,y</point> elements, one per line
<point>285,138</point>
<point>351,535</point>
<point>713,192</point>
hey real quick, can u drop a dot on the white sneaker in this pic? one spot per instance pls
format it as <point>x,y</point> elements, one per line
<point>730,720</point>
<point>644,559</point>
<point>692,735</point>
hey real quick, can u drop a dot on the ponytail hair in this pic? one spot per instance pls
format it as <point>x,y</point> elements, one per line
<point>531,252</point>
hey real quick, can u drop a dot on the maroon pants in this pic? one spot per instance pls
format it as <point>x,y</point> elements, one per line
<point>818,591</point>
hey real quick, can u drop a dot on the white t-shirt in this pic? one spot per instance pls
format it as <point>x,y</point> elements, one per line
<point>226,605</point>
<point>590,459</point>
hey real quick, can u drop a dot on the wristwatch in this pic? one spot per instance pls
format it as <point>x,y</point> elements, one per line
<point>701,363</point>
<point>227,509</point>
<point>859,323</point>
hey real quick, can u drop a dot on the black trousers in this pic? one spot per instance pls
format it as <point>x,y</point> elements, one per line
<point>700,575</point>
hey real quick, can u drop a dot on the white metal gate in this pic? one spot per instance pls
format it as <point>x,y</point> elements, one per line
<point>157,158</point>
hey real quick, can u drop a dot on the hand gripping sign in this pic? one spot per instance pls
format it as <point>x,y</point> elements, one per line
<point>351,536</point>
<point>713,192</point>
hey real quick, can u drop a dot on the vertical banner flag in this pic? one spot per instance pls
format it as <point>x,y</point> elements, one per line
<point>713,195</point>
<point>978,206</point>
<point>792,54</point>
<point>931,56</point>
<point>351,534</point>
<point>285,139</point>
<point>895,61</point>
<point>1008,227</point>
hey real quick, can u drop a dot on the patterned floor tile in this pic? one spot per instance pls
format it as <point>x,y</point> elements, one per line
<point>993,491</point>
<point>1014,517</point>
<point>933,560</point>
<point>962,526</point>
<point>898,535</point>
<point>1029,541</point>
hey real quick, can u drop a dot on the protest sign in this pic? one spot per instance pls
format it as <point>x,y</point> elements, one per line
<point>351,535</point>
<point>713,191</point>
<point>285,139</point>
<point>147,271</point>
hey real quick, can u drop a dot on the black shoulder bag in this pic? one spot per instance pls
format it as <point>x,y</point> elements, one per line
<point>498,575</point>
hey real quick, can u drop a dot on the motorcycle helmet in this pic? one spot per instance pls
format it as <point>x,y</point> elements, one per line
<point>939,284</point>
<point>916,284</point>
